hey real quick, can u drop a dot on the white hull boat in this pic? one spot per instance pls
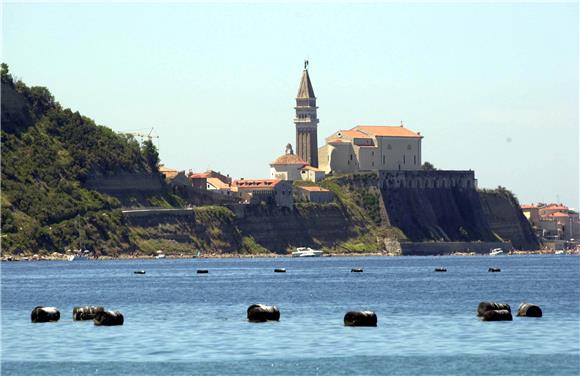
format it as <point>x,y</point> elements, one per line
<point>306,252</point>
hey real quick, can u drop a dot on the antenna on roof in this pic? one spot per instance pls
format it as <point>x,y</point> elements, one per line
<point>401,123</point>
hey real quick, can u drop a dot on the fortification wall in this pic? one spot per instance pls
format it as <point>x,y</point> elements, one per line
<point>446,248</point>
<point>148,217</point>
<point>122,183</point>
<point>427,179</point>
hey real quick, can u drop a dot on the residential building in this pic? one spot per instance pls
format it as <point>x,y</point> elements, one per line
<point>271,191</point>
<point>291,167</point>
<point>314,194</point>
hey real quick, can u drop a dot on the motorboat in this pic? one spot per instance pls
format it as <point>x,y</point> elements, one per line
<point>496,251</point>
<point>306,252</point>
<point>160,255</point>
<point>559,252</point>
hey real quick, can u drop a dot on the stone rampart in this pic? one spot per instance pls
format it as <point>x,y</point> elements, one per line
<point>122,183</point>
<point>427,179</point>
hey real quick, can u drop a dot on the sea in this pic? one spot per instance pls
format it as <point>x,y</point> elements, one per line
<point>178,322</point>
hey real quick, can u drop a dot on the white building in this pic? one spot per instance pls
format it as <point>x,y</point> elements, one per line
<point>289,166</point>
<point>371,148</point>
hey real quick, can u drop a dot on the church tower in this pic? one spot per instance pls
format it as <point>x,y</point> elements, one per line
<point>306,121</point>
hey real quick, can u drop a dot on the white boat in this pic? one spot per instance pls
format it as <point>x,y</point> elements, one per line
<point>496,251</point>
<point>306,252</point>
<point>559,252</point>
<point>160,256</point>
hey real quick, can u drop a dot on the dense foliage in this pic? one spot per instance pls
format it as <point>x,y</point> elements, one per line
<point>47,153</point>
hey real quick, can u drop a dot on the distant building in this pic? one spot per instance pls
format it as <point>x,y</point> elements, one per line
<point>199,180</point>
<point>271,191</point>
<point>291,167</point>
<point>371,148</point>
<point>553,222</point>
<point>169,173</point>
<point>315,194</point>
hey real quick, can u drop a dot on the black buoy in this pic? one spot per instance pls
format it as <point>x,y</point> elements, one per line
<point>494,270</point>
<point>109,318</point>
<point>202,271</point>
<point>356,270</point>
<point>440,269</point>
<point>491,306</point>
<point>44,314</point>
<point>86,312</point>
<point>139,272</point>
<point>529,310</point>
<point>262,313</point>
<point>280,270</point>
<point>497,315</point>
<point>360,318</point>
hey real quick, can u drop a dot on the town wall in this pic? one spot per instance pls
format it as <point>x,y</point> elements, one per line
<point>125,182</point>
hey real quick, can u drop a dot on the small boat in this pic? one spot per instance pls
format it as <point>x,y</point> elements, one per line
<point>160,255</point>
<point>306,252</point>
<point>559,252</point>
<point>496,251</point>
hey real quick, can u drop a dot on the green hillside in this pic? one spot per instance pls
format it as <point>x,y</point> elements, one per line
<point>47,152</point>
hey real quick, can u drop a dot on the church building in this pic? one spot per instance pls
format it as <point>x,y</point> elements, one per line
<point>304,164</point>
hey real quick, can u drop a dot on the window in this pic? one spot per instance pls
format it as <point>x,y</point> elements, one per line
<point>408,147</point>
<point>404,160</point>
<point>414,159</point>
<point>383,159</point>
<point>351,157</point>
<point>389,147</point>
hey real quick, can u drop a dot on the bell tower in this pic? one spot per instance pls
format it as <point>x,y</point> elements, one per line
<point>306,120</point>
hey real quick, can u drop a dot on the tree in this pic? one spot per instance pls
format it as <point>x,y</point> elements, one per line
<point>5,73</point>
<point>428,167</point>
<point>149,152</point>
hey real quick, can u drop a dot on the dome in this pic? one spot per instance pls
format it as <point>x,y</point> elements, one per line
<point>289,159</point>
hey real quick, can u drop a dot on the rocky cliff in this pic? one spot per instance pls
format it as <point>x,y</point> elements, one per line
<point>506,220</point>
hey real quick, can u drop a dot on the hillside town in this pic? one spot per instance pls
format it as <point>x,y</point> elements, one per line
<point>363,148</point>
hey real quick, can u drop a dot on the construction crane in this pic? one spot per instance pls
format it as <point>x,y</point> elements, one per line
<point>150,136</point>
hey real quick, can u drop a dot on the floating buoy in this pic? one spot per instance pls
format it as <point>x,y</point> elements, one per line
<point>202,271</point>
<point>139,272</point>
<point>491,306</point>
<point>440,269</point>
<point>356,270</point>
<point>494,270</point>
<point>109,318</point>
<point>86,312</point>
<point>280,270</point>
<point>262,313</point>
<point>360,318</point>
<point>44,314</point>
<point>497,315</point>
<point>529,310</point>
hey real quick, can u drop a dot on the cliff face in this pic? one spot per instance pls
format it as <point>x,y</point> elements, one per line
<point>506,219</point>
<point>444,214</point>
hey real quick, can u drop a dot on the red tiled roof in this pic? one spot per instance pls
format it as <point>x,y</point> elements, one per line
<point>555,207</point>
<point>560,215</point>
<point>289,159</point>
<point>217,183</point>
<point>262,183</point>
<point>528,206</point>
<point>387,131</point>
<point>352,133</point>
<point>199,175</point>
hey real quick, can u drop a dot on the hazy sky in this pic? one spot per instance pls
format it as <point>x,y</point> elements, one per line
<point>492,87</point>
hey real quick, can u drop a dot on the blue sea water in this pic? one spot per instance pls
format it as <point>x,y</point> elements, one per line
<point>178,322</point>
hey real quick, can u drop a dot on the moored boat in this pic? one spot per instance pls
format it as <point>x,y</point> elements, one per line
<point>306,252</point>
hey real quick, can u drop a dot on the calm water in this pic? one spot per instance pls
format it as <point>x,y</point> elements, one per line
<point>178,322</point>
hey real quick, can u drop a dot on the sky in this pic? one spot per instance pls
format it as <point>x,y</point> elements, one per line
<point>492,87</point>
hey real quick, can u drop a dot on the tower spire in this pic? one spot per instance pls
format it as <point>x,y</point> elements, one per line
<point>306,120</point>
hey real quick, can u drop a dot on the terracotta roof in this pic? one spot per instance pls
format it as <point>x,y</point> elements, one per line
<point>305,90</point>
<point>308,167</point>
<point>560,215</point>
<point>289,159</point>
<point>313,188</point>
<point>351,133</point>
<point>262,183</point>
<point>555,207</point>
<point>199,175</point>
<point>387,131</point>
<point>337,141</point>
<point>217,183</point>
<point>528,206</point>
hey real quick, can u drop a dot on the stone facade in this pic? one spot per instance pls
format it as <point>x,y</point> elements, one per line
<point>371,148</point>
<point>270,191</point>
<point>427,179</point>
<point>306,121</point>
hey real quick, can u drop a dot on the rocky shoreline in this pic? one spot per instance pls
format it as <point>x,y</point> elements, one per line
<point>64,257</point>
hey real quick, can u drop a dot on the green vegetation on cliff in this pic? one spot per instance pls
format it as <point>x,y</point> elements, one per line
<point>47,153</point>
